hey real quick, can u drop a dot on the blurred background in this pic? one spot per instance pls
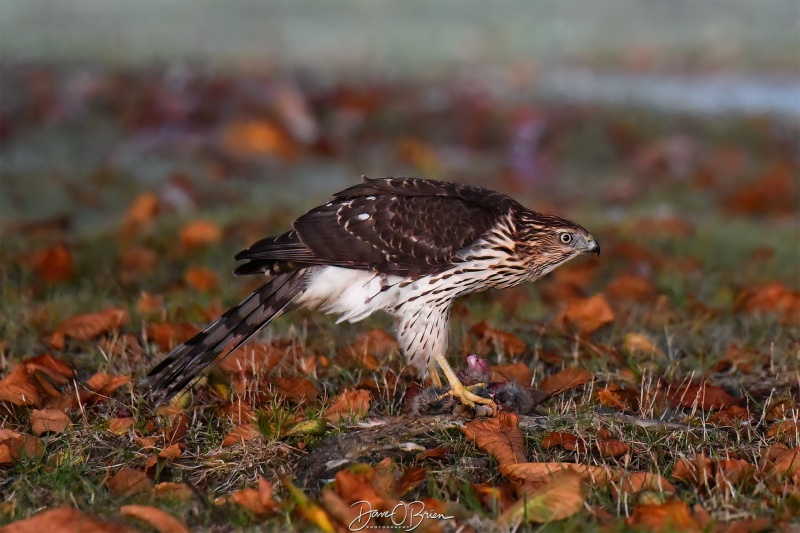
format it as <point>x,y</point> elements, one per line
<point>669,124</point>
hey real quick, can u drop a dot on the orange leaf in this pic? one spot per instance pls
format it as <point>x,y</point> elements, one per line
<point>136,263</point>
<point>773,297</point>
<point>64,520</point>
<point>149,304</point>
<point>202,279</point>
<point>560,498</point>
<point>518,373</point>
<point>49,421</point>
<point>538,474</point>
<point>349,405</point>
<point>702,395</point>
<point>254,358</point>
<point>175,491</point>
<point>167,336</point>
<point>586,315</point>
<point>371,347</point>
<point>128,481</point>
<point>54,264</point>
<point>259,137</point>
<point>567,379</point>
<point>568,441</point>
<point>120,426</point>
<point>496,339</point>
<point>259,502</point>
<point>25,447</point>
<point>500,437</point>
<point>296,389</point>
<point>617,397</point>
<point>158,519</point>
<point>242,433</point>
<point>637,343</point>
<point>106,384</point>
<point>89,326</point>
<point>673,515</point>
<point>140,213</point>
<point>200,233</point>
<point>612,447</point>
<point>636,482</point>
<point>631,288</point>
<point>19,388</point>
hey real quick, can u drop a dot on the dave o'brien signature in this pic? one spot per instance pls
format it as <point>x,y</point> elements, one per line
<point>407,514</point>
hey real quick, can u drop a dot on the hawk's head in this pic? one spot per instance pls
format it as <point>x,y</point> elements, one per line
<point>548,241</point>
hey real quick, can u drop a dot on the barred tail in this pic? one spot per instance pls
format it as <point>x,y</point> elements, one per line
<point>185,363</point>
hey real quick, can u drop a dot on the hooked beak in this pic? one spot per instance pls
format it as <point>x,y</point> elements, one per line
<point>592,247</point>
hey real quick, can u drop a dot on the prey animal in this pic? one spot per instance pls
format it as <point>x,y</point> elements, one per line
<point>404,246</point>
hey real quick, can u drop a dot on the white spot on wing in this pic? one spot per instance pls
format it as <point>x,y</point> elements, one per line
<point>363,216</point>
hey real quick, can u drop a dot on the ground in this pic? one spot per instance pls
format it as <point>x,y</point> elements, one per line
<point>665,371</point>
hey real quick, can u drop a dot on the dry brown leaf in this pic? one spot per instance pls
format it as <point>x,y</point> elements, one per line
<point>673,515</point>
<point>25,448</point>
<point>568,441</point>
<point>296,389</point>
<point>348,406</point>
<point>259,137</point>
<point>518,373</point>
<point>255,358</point>
<point>537,474</point>
<point>158,519</point>
<point>199,233</point>
<point>128,481</point>
<point>586,315</point>
<point>612,447</point>
<point>772,297</point>
<point>560,498</point>
<point>617,397</point>
<point>88,326</point>
<point>136,263</point>
<point>773,193</point>
<point>141,213</point>
<point>631,288</point>
<point>55,369</point>
<point>149,304</point>
<point>54,264</point>
<point>64,520</point>
<point>106,384</point>
<point>781,460</point>
<point>701,395</point>
<point>202,279</point>
<point>636,343</point>
<point>49,421</point>
<point>500,437</point>
<point>120,426</point>
<point>170,453</point>
<point>786,430</point>
<point>168,336</point>
<point>5,454</point>
<point>496,339</point>
<point>340,510</point>
<point>176,491</point>
<point>19,388</point>
<point>259,502</point>
<point>241,434</point>
<point>636,482</point>
<point>567,379</point>
<point>371,347</point>
<point>698,472</point>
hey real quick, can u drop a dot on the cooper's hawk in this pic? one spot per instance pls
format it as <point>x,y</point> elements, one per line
<point>408,247</point>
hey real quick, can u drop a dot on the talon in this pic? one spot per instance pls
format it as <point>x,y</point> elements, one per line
<point>469,398</point>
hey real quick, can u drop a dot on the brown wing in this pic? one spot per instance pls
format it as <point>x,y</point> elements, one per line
<point>394,226</point>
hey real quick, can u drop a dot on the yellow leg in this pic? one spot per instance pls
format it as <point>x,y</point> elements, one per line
<point>434,375</point>
<point>458,390</point>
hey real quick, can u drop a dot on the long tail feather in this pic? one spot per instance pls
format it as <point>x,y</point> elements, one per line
<point>186,362</point>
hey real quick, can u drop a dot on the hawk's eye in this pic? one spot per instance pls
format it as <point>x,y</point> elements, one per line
<point>566,238</point>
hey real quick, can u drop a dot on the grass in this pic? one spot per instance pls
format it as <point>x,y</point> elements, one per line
<point>691,319</point>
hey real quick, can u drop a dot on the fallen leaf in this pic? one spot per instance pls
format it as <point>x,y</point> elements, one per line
<point>773,193</point>
<point>786,430</point>
<point>296,389</point>
<point>538,474</point>
<point>158,519</point>
<point>141,213</point>
<point>631,289</point>
<point>136,263</point>
<point>168,336</point>
<point>348,406</point>
<point>673,515</point>
<point>612,447</point>
<point>88,326</point>
<point>495,339</point>
<point>25,448</point>
<point>259,137</point>
<point>202,279</point>
<point>255,358</point>
<point>636,343</point>
<point>55,369</point>
<point>518,373</point>
<point>781,460</point>
<point>500,437</point>
<point>54,265</point>
<point>241,434</point>
<point>120,426</point>
<point>149,304</point>
<point>199,233</point>
<point>568,441</point>
<point>49,421</point>
<point>64,520</point>
<point>698,472</point>
<point>772,297</point>
<point>586,315</point>
<point>106,384</point>
<point>175,491</point>
<point>19,388</point>
<point>637,482</point>
<point>567,379</point>
<point>128,481</point>
<point>312,512</point>
<point>561,498</point>
<point>616,397</point>
<point>700,395</point>
<point>257,501</point>
<point>371,347</point>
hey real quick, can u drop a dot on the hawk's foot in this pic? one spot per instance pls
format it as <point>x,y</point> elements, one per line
<point>469,398</point>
